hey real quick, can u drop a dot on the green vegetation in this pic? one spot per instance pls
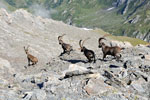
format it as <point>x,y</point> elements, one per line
<point>94,14</point>
<point>133,41</point>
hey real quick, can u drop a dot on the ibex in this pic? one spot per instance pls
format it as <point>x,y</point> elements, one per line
<point>67,48</point>
<point>90,55</point>
<point>113,51</point>
<point>30,57</point>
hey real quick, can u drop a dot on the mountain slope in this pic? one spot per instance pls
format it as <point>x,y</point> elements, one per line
<point>119,17</point>
<point>66,77</point>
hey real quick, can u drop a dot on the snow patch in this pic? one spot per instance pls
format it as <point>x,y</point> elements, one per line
<point>86,29</point>
<point>110,8</point>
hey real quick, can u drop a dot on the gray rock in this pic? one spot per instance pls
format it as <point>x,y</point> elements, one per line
<point>114,97</point>
<point>75,70</point>
<point>96,87</point>
<point>113,80</point>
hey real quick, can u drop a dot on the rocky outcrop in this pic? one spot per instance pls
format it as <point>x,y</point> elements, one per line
<point>120,2</point>
<point>142,36</point>
<point>143,2</point>
<point>125,8</point>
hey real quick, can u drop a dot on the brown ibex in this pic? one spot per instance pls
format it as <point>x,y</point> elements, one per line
<point>90,55</point>
<point>67,48</point>
<point>30,57</point>
<point>113,51</point>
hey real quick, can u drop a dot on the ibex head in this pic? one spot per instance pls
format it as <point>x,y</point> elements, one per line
<point>26,49</point>
<point>102,38</point>
<point>82,48</point>
<point>60,39</point>
<point>100,42</point>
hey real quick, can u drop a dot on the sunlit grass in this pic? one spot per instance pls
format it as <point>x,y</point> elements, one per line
<point>133,41</point>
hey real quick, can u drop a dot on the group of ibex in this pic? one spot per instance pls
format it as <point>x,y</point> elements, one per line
<point>90,55</point>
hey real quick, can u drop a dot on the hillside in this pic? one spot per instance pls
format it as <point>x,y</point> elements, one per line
<point>118,17</point>
<point>67,77</point>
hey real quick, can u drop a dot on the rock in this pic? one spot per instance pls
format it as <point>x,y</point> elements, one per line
<point>145,68</point>
<point>94,75</point>
<point>96,86</point>
<point>135,20</point>
<point>114,97</point>
<point>39,94</point>
<point>146,57</point>
<point>113,80</point>
<point>138,85</point>
<point>40,85</point>
<point>3,82</point>
<point>120,72</point>
<point>5,16</point>
<point>27,96</point>
<point>75,70</point>
<point>6,73</point>
<point>5,65</point>
<point>36,94</point>
<point>131,64</point>
<point>8,95</point>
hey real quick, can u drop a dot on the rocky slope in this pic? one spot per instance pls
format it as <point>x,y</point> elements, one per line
<point>68,77</point>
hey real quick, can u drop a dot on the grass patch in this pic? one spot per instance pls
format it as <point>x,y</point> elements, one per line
<point>133,41</point>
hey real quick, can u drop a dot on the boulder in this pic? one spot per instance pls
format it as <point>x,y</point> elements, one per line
<point>146,57</point>
<point>96,87</point>
<point>75,70</point>
<point>138,85</point>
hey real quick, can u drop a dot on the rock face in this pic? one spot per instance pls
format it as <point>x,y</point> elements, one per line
<point>67,77</point>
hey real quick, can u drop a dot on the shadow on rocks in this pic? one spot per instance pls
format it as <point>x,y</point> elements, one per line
<point>113,66</point>
<point>102,60</point>
<point>74,61</point>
